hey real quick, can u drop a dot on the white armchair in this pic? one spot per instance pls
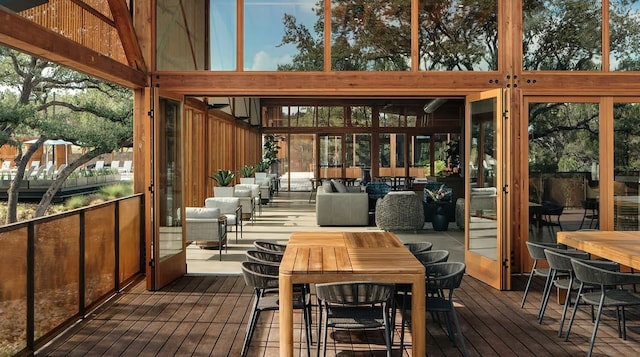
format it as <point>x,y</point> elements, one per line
<point>206,227</point>
<point>249,195</point>
<point>230,207</point>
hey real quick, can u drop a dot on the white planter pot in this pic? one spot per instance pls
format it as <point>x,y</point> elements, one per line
<point>247,180</point>
<point>223,191</point>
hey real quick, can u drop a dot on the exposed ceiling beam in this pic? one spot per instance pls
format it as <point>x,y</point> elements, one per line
<point>24,35</point>
<point>124,26</point>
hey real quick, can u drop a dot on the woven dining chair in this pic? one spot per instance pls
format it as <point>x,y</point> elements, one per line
<point>419,247</point>
<point>263,278</point>
<point>263,257</point>
<point>354,305</point>
<point>536,252</point>
<point>269,246</point>
<point>609,295</point>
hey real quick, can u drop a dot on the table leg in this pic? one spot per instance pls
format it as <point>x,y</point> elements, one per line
<point>286,315</point>
<point>418,323</point>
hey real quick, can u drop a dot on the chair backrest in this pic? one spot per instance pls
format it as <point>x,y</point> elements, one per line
<point>115,164</point>
<point>432,256</point>
<point>536,250</point>
<point>589,273</point>
<point>260,276</point>
<point>29,171</point>
<point>419,247</point>
<point>35,174</point>
<point>227,205</point>
<point>99,165</point>
<point>560,259</point>
<point>62,167</point>
<point>355,293</point>
<point>6,165</point>
<point>35,163</point>
<point>264,257</point>
<point>269,246</point>
<point>50,171</point>
<point>127,166</point>
<point>445,275</point>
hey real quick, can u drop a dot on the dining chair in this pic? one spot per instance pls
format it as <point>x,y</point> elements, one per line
<point>263,278</point>
<point>269,246</point>
<point>609,294</point>
<point>263,257</point>
<point>419,247</point>
<point>536,252</point>
<point>354,305</point>
<point>560,262</point>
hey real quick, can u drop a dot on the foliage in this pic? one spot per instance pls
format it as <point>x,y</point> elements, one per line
<point>438,195</point>
<point>262,166</point>
<point>270,150</point>
<point>118,190</point>
<point>246,170</point>
<point>223,177</point>
<point>77,202</point>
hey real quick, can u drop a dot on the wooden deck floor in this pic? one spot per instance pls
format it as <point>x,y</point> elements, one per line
<point>205,314</point>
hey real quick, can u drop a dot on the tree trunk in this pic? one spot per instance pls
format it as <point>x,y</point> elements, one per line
<point>46,199</point>
<point>14,188</point>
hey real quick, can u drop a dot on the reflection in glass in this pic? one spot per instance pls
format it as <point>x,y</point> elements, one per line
<point>384,154</point>
<point>420,157</point>
<point>180,47</point>
<point>562,35</point>
<point>358,154</point>
<point>302,160</point>
<point>624,36</point>
<point>170,180</point>
<point>359,116</point>
<point>563,168</point>
<point>483,229</point>
<point>283,35</point>
<point>399,145</point>
<point>13,290</point>
<point>371,35</point>
<point>223,35</point>
<point>330,156</point>
<point>626,143</point>
<point>456,36</point>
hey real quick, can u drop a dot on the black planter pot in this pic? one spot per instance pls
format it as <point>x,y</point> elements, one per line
<point>440,222</point>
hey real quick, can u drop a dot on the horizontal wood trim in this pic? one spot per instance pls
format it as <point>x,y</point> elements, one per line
<point>586,83</point>
<point>273,84</point>
<point>24,35</point>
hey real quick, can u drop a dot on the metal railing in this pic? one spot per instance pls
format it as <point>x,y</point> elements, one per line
<point>55,269</point>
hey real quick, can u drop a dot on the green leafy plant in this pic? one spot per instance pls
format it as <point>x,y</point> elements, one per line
<point>246,171</point>
<point>262,166</point>
<point>223,177</point>
<point>270,149</point>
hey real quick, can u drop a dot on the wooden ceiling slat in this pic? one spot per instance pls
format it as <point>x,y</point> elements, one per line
<point>94,12</point>
<point>27,36</point>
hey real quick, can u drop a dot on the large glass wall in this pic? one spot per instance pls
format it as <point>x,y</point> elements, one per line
<point>358,156</point>
<point>626,143</point>
<point>563,168</point>
<point>562,35</point>
<point>223,35</point>
<point>283,35</point>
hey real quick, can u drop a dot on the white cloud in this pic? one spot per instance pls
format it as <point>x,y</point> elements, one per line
<point>263,61</point>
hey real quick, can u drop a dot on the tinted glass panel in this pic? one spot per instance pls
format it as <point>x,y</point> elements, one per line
<point>283,35</point>
<point>458,35</point>
<point>13,290</point>
<point>223,35</point>
<point>626,141</point>
<point>624,35</point>
<point>562,35</point>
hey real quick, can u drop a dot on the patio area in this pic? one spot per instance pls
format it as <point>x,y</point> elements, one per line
<point>205,313</point>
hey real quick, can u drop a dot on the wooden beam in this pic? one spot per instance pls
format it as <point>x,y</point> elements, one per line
<point>273,84</point>
<point>24,35</point>
<point>124,26</point>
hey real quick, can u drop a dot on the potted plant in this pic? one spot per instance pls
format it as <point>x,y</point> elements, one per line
<point>223,179</point>
<point>271,152</point>
<point>246,172</point>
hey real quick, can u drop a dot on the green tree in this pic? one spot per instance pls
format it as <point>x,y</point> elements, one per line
<point>52,102</point>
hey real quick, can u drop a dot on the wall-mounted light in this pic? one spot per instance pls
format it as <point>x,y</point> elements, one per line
<point>434,104</point>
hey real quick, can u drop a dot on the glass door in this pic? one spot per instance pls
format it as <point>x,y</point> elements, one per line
<point>330,156</point>
<point>486,237</point>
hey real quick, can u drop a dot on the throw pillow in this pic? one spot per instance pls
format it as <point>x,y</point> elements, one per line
<point>340,187</point>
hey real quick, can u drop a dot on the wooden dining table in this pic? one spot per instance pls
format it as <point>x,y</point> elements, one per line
<point>326,257</point>
<point>619,246</point>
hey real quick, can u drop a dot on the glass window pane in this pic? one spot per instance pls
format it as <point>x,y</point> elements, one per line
<point>358,156</point>
<point>624,35</point>
<point>223,35</point>
<point>626,143</point>
<point>399,150</point>
<point>562,35</point>
<point>178,47</point>
<point>563,168</point>
<point>283,35</point>
<point>458,35</point>
<point>359,116</point>
<point>371,35</point>
<point>300,166</point>
<point>384,153</point>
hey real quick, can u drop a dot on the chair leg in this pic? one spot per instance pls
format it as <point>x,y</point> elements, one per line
<point>567,301</point>
<point>455,320</point>
<point>326,332</point>
<point>526,289</point>
<point>319,329</point>
<point>573,312</point>
<point>387,328</point>
<point>546,295</point>
<point>595,327</point>
<point>251,325</point>
<point>307,326</point>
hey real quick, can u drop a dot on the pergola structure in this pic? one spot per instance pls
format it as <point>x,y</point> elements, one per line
<point>193,117</point>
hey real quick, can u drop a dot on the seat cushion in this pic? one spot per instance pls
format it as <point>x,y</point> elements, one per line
<point>225,204</point>
<point>339,186</point>
<point>201,213</point>
<point>231,218</point>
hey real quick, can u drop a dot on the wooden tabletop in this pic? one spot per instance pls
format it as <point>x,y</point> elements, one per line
<point>323,257</point>
<point>619,246</point>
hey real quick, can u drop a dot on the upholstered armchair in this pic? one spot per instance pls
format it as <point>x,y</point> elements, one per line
<point>400,210</point>
<point>249,195</point>
<point>229,207</point>
<point>206,227</point>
